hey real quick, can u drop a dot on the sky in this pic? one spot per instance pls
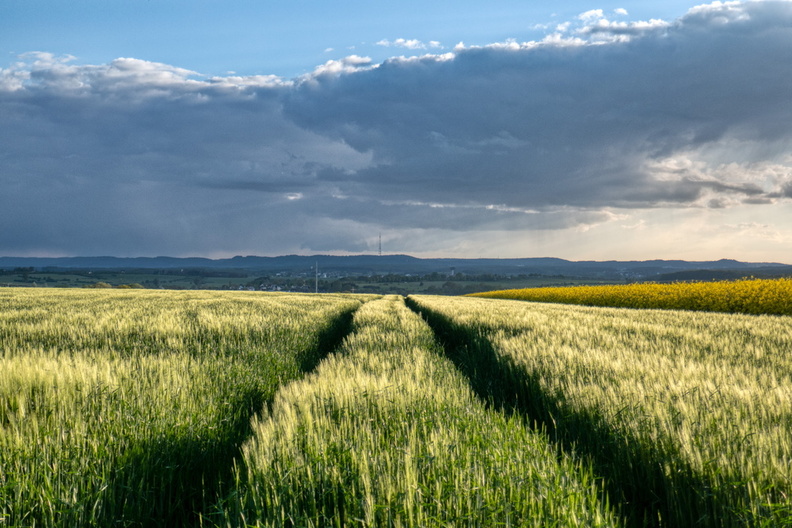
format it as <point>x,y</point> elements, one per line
<point>582,130</point>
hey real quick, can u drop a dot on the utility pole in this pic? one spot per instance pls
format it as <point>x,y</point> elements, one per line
<point>380,244</point>
<point>317,276</point>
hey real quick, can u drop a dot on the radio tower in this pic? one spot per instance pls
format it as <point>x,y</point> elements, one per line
<point>380,244</point>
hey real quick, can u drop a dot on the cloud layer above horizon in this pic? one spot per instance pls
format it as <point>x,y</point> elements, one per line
<point>644,139</point>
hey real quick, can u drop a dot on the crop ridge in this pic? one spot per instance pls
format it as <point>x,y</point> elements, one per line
<point>636,481</point>
<point>129,408</point>
<point>386,432</point>
<point>178,493</point>
<point>514,391</point>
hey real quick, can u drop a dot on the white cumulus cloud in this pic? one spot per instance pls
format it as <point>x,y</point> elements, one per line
<point>412,44</point>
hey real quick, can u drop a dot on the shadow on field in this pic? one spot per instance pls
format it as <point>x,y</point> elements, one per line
<point>329,340</point>
<point>176,481</point>
<point>636,484</point>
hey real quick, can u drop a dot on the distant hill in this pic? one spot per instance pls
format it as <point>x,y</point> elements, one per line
<point>662,270</point>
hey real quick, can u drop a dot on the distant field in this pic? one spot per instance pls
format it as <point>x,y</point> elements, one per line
<point>244,279</point>
<point>756,296</point>
<point>238,409</point>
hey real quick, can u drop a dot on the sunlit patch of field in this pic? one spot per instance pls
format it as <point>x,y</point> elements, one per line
<point>387,432</point>
<point>163,408</point>
<point>129,406</point>
<point>688,415</point>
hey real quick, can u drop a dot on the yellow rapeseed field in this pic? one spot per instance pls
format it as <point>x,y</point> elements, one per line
<point>749,296</point>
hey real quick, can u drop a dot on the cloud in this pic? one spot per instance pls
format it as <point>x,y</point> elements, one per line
<point>588,120</point>
<point>412,44</point>
<point>598,126</point>
<point>588,16</point>
<point>595,25</point>
<point>615,30</point>
<point>349,64</point>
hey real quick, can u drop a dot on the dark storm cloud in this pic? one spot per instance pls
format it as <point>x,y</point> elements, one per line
<point>565,124</point>
<point>135,157</point>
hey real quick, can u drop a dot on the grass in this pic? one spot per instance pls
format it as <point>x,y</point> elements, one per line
<point>386,432</point>
<point>688,415</point>
<point>128,408</point>
<point>153,408</point>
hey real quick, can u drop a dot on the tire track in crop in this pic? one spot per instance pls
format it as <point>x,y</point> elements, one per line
<point>633,475</point>
<point>387,432</point>
<point>183,477</point>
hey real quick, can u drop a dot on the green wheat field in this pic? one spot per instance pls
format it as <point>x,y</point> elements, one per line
<point>125,408</point>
